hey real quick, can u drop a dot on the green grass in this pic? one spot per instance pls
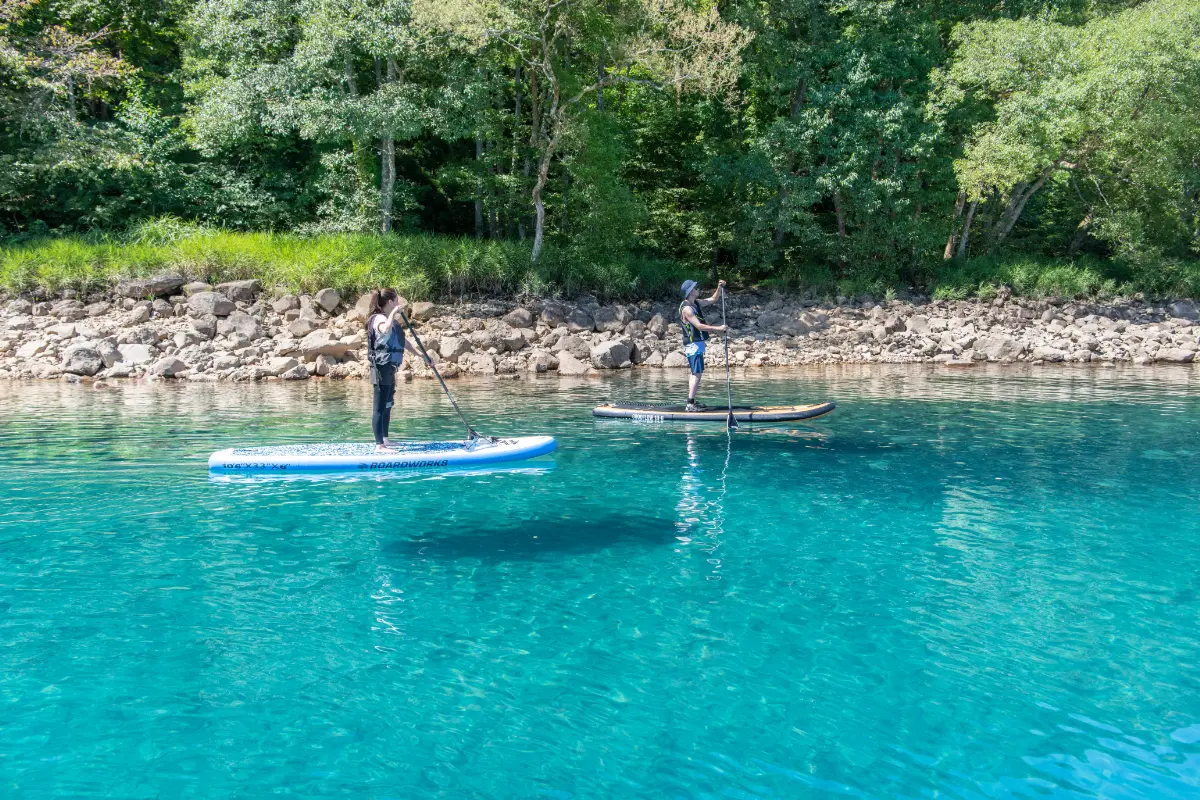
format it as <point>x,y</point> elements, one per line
<point>419,266</point>
<point>1085,278</point>
<point>427,267</point>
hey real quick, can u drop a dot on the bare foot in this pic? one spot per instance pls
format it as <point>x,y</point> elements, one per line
<point>383,448</point>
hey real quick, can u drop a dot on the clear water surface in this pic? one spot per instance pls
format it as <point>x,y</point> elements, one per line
<point>964,585</point>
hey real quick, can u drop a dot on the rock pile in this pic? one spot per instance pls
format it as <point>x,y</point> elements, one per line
<point>165,327</point>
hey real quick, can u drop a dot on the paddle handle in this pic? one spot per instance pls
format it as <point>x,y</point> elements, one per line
<point>471,432</point>
<point>729,419</point>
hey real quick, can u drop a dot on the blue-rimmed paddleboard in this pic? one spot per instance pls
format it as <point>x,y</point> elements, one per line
<point>358,456</point>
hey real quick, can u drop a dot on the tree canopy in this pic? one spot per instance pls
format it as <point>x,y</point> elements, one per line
<point>871,139</point>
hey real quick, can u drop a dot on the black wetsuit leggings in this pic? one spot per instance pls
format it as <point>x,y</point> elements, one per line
<point>381,409</point>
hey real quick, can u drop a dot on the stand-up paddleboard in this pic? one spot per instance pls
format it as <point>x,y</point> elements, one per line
<point>653,413</point>
<point>363,456</point>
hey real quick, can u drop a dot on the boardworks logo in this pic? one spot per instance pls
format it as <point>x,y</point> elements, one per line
<point>254,466</point>
<point>404,464</point>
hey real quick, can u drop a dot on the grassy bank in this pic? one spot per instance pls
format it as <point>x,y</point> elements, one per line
<point>421,266</point>
<point>425,266</point>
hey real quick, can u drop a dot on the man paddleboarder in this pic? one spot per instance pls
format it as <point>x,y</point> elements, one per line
<point>695,334</point>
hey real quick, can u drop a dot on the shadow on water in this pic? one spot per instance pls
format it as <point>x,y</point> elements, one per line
<point>529,540</point>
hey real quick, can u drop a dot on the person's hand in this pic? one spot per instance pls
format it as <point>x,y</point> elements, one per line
<point>723,328</point>
<point>720,284</point>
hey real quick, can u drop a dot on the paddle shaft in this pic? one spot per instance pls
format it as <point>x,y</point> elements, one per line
<point>471,433</point>
<point>729,420</point>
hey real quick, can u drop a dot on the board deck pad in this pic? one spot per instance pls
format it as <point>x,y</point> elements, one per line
<point>649,412</point>
<point>364,456</point>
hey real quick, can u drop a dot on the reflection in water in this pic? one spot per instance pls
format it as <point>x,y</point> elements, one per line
<point>383,476</point>
<point>701,505</point>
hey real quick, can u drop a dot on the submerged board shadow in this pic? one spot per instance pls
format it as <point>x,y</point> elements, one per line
<point>533,539</point>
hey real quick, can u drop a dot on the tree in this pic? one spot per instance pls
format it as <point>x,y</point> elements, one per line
<point>574,50</point>
<point>1107,110</point>
<point>342,72</point>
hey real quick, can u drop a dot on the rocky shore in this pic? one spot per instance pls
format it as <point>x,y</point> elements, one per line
<point>168,328</point>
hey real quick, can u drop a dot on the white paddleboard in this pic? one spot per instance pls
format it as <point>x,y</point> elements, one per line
<point>363,457</point>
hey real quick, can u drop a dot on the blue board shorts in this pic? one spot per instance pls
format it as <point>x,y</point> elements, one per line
<point>695,357</point>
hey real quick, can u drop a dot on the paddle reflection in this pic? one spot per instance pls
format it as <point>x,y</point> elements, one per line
<point>701,505</point>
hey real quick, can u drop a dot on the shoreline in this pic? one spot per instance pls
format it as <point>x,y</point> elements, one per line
<point>167,328</point>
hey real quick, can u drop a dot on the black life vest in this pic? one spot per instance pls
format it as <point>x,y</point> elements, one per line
<point>386,352</point>
<point>690,332</point>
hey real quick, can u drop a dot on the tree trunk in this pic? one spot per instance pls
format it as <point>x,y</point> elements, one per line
<point>1016,210</point>
<point>479,190</point>
<point>796,106</point>
<point>966,231</point>
<point>841,218</point>
<point>1081,233</point>
<point>387,182</point>
<point>959,204</point>
<point>539,206</point>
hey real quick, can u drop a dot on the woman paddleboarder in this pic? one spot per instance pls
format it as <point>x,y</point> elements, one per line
<point>695,334</point>
<point>385,352</point>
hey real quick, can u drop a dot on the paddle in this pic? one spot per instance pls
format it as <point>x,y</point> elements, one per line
<point>472,435</point>
<point>729,420</point>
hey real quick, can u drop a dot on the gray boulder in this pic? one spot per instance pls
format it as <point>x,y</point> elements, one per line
<point>1170,355</point>
<point>361,309</point>
<point>136,353</point>
<point>68,309</point>
<point>245,291</point>
<point>19,306</point>
<point>1185,309</point>
<point>240,323</point>
<point>541,361</point>
<point>328,299</point>
<point>580,321</point>
<point>296,373</point>
<point>1044,353</point>
<point>574,345</point>
<point>570,365</point>
<point>211,304</point>
<point>193,287</point>
<point>452,347</point>
<point>635,329</point>
<point>205,325</point>
<point>478,364</point>
<point>422,311</point>
<point>167,367</point>
<point>657,325</point>
<point>777,322</point>
<point>611,355</point>
<point>322,343</point>
<point>553,315</point>
<point>519,318</point>
<point>303,325</point>
<point>611,319</point>
<point>998,347</point>
<point>82,359</point>
<point>282,305</point>
<point>108,352</point>
<point>158,286</point>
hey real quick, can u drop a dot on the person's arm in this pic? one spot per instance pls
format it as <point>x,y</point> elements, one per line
<point>690,318</point>
<point>716,295</point>
<point>384,328</point>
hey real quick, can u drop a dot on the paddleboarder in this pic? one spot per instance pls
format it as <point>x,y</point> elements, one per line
<point>695,333</point>
<point>386,344</point>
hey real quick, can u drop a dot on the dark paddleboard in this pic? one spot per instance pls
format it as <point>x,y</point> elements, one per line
<point>664,413</point>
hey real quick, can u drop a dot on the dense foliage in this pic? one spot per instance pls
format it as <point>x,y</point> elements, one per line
<point>859,144</point>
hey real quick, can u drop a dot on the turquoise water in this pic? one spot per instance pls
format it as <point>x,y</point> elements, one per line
<point>964,585</point>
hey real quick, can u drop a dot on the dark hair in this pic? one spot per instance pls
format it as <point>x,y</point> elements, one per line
<point>379,299</point>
